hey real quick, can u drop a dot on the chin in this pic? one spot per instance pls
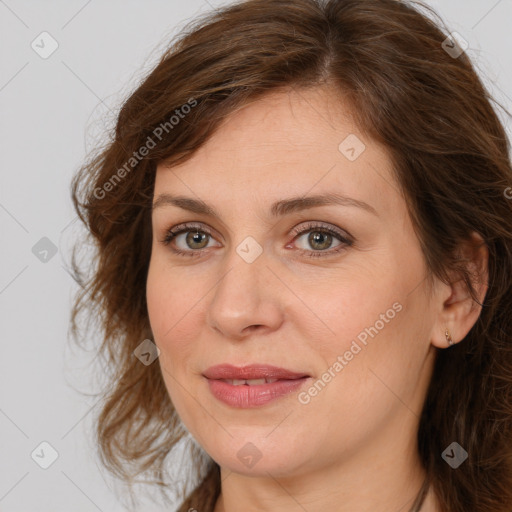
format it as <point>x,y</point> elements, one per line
<point>256,455</point>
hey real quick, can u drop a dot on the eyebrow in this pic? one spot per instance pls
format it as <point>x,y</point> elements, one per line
<point>279,208</point>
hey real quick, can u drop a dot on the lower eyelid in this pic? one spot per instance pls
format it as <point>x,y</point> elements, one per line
<point>335,236</point>
<point>344,241</point>
<point>185,232</point>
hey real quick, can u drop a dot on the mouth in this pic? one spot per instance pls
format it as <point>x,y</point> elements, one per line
<point>251,372</point>
<point>252,385</point>
<point>248,382</point>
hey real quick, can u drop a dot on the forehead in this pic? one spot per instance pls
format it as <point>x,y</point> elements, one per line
<point>291,142</point>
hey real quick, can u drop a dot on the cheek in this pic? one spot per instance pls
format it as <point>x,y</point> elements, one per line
<point>158,298</point>
<point>374,324</point>
<point>171,312</point>
<point>354,308</point>
<point>174,301</point>
<point>166,296</point>
<point>376,362</point>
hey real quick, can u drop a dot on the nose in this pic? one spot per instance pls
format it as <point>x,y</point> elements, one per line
<point>246,298</point>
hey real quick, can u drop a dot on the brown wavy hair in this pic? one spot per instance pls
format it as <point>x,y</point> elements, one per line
<point>451,156</point>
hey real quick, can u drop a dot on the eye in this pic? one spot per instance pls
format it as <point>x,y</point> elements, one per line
<point>195,238</point>
<point>320,238</point>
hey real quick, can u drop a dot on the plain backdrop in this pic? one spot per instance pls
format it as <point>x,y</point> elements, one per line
<point>53,110</point>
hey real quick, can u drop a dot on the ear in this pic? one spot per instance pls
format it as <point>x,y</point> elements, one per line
<point>458,311</point>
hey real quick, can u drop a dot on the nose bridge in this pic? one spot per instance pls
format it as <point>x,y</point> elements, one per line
<point>241,298</point>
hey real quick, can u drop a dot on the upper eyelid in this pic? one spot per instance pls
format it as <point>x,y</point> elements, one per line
<point>297,230</point>
<point>344,238</point>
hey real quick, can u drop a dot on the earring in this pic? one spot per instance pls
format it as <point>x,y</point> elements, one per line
<point>448,337</point>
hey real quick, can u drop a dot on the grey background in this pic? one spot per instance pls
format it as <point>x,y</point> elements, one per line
<point>52,112</point>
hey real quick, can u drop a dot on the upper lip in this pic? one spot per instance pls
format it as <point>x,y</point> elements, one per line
<point>252,371</point>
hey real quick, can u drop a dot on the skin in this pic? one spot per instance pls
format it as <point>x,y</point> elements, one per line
<point>353,446</point>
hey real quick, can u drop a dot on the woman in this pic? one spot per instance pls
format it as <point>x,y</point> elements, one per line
<point>303,233</point>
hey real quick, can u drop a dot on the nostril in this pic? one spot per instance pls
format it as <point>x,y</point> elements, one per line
<point>252,327</point>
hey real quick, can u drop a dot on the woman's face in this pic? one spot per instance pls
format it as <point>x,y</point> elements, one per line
<point>334,293</point>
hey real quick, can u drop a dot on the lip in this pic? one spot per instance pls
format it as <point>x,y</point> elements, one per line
<point>247,396</point>
<point>252,371</point>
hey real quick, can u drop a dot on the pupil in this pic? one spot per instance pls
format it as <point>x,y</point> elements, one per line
<point>317,237</point>
<point>196,237</point>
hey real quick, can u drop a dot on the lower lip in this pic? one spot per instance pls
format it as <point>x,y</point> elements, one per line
<point>245,396</point>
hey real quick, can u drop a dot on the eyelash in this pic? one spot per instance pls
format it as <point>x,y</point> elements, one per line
<point>173,232</point>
